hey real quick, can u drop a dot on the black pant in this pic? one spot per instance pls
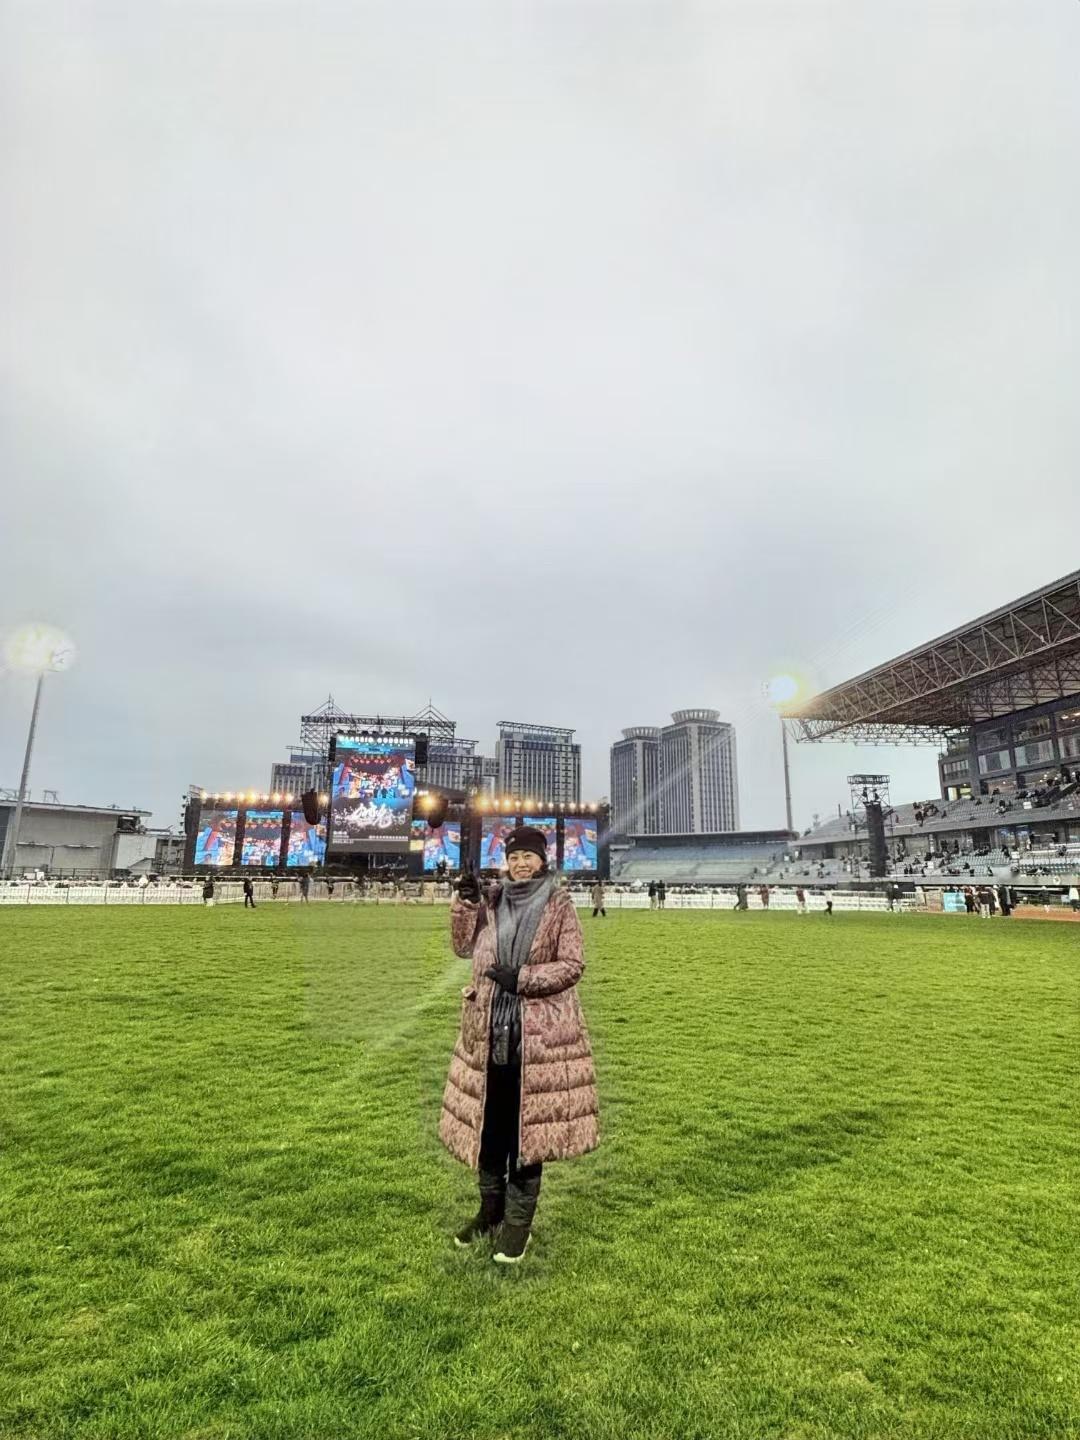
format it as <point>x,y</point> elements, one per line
<point>249,900</point>
<point>499,1148</point>
<point>599,911</point>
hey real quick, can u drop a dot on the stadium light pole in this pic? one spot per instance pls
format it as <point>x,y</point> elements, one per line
<point>38,650</point>
<point>781,690</point>
<point>787,774</point>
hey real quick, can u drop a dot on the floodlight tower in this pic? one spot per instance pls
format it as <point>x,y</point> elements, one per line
<point>781,690</point>
<point>34,650</point>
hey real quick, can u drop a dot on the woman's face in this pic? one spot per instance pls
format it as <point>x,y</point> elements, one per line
<point>523,864</point>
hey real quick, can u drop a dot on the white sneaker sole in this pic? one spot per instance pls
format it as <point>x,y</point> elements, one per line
<point>501,1259</point>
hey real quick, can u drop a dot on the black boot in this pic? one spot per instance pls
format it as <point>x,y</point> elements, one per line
<point>513,1241</point>
<point>487,1219</point>
<point>522,1195</point>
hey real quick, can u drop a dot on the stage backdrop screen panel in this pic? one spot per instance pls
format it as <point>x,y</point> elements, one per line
<point>215,842</point>
<point>442,843</point>
<point>549,825</point>
<point>579,843</point>
<point>371,800</point>
<point>262,838</point>
<point>307,843</point>
<point>493,833</point>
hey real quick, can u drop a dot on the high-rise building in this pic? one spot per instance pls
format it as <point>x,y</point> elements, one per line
<point>302,771</point>
<point>489,775</point>
<point>635,781</point>
<point>699,784</point>
<point>538,760</point>
<point>452,765</point>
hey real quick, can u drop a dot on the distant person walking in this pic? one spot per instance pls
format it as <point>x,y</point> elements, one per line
<point>208,890</point>
<point>274,883</point>
<point>984,902</point>
<point>1005,901</point>
<point>598,900</point>
<point>763,892</point>
<point>828,904</point>
<point>305,889</point>
<point>652,894</point>
<point>522,1085</point>
<point>249,893</point>
<point>661,894</point>
<point>1074,898</point>
<point>800,900</point>
<point>969,900</point>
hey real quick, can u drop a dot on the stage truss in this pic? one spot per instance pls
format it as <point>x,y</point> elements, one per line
<point>317,729</point>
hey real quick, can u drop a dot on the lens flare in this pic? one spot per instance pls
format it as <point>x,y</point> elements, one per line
<point>35,648</point>
<point>782,689</point>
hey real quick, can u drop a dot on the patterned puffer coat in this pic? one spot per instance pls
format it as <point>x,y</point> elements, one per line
<point>559,1106</point>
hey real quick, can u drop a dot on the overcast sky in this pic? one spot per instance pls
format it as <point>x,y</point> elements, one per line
<point>561,362</point>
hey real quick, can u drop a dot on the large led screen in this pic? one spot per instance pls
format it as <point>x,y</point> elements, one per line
<point>442,843</point>
<point>579,843</point>
<point>549,825</point>
<point>216,840</point>
<point>372,795</point>
<point>493,835</point>
<point>262,838</point>
<point>307,843</point>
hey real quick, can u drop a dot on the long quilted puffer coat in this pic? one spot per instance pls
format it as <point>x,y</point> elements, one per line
<point>559,1105</point>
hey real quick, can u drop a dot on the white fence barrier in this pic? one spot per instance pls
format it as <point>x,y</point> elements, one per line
<point>231,893</point>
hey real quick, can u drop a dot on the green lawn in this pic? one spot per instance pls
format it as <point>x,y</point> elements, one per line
<point>836,1196</point>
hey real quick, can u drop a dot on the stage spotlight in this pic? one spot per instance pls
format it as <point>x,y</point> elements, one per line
<point>275,798</point>
<point>437,808</point>
<point>288,799</point>
<point>227,795</point>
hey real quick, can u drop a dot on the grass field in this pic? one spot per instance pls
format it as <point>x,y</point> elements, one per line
<point>836,1195</point>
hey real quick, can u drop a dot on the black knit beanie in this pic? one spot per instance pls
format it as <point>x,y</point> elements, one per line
<point>527,837</point>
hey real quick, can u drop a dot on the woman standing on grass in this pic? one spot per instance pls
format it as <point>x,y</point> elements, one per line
<point>522,1087</point>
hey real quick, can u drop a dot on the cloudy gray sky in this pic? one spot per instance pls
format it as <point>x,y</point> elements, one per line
<point>561,362</point>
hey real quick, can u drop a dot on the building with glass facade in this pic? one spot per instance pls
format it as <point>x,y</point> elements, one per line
<point>635,781</point>
<point>679,779</point>
<point>538,760</point>
<point>699,785</point>
<point>1014,753</point>
<point>451,765</point>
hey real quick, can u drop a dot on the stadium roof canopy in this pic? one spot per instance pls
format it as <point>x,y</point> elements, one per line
<point>1024,654</point>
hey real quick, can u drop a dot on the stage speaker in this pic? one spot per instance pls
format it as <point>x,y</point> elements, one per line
<point>421,749</point>
<point>875,833</point>
<point>436,815</point>
<point>190,818</point>
<point>310,801</point>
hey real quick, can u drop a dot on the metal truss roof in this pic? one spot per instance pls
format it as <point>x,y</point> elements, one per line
<point>1024,654</point>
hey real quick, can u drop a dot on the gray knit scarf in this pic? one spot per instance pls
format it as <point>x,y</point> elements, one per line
<point>518,910</point>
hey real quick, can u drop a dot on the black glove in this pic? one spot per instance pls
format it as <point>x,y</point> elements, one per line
<point>504,976</point>
<point>468,887</point>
